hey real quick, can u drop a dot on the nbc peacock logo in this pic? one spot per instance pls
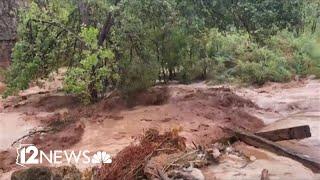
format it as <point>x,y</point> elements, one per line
<point>101,157</point>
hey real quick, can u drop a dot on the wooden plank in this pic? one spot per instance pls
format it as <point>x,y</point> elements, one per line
<point>261,142</point>
<point>298,132</point>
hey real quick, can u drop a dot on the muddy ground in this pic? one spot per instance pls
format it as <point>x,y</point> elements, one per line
<point>198,110</point>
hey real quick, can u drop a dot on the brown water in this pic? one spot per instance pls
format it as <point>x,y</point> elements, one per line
<point>12,127</point>
<point>309,147</point>
<point>294,107</point>
<point>285,105</point>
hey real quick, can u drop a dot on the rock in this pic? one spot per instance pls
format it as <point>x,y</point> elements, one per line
<point>229,149</point>
<point>33,173</point>
<point>47,173</point>
<point>187,174</point>
<point>265,174</point>
<point>219,146</point>
<point>216,153</point>
<point>252,158</point>
<point>197,174</point>
<point>66,173</point>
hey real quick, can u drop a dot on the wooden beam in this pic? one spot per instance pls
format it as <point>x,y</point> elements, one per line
<point>261,142</point>
<point>298,132</point>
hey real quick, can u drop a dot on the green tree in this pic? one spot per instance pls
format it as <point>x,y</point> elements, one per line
<point>133,44</point>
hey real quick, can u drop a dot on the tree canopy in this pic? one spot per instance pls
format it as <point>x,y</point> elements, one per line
<point>133,44</point>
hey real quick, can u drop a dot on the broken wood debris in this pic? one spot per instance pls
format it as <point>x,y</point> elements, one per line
<point>298,132</point>
<point>260,142</point>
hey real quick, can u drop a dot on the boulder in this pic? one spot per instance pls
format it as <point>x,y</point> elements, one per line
<point>47,173</point>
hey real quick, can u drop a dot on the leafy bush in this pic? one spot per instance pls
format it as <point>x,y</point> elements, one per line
<point>138,76</point>
<point>192,71</point>
<point>302,52</point>
<point>259,65</point>
<point>235,56</point>
<point>216,56</point>
<point>261,72</point>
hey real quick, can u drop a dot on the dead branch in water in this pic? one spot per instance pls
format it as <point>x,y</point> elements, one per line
<point>33,133</point>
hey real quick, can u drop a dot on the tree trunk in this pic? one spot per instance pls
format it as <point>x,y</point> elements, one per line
<point>105,31</point>
<point>84,14</point>
<point>8,28</point>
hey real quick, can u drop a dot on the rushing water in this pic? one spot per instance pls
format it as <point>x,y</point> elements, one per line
<point>12,127</point>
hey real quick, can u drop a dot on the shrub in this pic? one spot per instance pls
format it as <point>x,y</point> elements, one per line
<point>259,73</point>
<point>194,70</point>
<point>138,76</point>
<point>301,52</point>
<point>216,56</point>
<point>262,65</point>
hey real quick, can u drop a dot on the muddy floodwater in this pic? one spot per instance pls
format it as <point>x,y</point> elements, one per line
<point>12,127</point>
<point>292,106</point>
<point>284,105</point>
<point>193,109</point>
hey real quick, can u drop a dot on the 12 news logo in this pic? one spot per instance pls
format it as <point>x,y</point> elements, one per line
<point>28,154</point>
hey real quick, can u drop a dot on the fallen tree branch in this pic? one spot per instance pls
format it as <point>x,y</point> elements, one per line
<point>298,132</point>
<point>33,133</point>
<point>261,142</point>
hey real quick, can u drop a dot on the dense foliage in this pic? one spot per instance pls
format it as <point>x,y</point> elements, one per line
<point>134,44</point>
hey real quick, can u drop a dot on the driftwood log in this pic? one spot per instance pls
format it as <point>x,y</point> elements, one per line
<point>260,142</point>
<point>298,132</point>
